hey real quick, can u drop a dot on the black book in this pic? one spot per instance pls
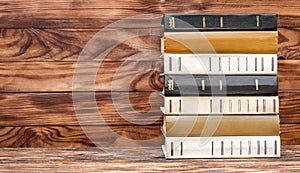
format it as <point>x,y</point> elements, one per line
<point>196,85</point>
<point>202,22</point>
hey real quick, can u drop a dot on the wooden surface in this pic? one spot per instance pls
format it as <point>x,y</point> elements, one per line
<point>145,160</point>
<point>40,43</point>
<point>98,13</point>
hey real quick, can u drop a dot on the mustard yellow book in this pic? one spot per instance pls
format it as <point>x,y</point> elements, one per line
<point>205,126</point>
<point>252,42</point>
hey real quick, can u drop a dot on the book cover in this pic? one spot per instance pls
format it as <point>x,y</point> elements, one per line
<point>204,22</point>
<point>223,42</point>
<point>255,105</point>
<point>220,64</point>
<point>199,85</point>
<point>215,125</point>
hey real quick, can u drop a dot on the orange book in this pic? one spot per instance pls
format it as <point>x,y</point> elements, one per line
<point>254,42</point>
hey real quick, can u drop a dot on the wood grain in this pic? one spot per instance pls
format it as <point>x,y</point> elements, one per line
<point>111,76</point>
<point>118,108</point>
<point>288,134</point>
<point>74,136</point>
<point>148,160</point>
<point>289,43</point>
<point>39,49</point>
<point>97,14</point>
<point>134,108</point>
<point>58,76</point>
<point>289,107</point>
<point>288,75</point>
<point>67,44</point>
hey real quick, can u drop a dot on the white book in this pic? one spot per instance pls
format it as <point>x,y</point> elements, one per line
<point>218,64</point>
<point>221,147</point>
<point>221,105</point>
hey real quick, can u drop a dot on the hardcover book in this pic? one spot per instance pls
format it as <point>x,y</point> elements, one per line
<point>220,64</point>
<point>222,147</point>
<point>222,105</point>
<point>204,22</point>
<point>223,42</point>
<point>215,125</point>
<point>197,85</point>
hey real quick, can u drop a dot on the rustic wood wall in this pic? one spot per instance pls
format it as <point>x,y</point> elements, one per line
<point>40,42</point>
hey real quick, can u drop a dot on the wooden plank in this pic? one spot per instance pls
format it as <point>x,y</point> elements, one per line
<point>289,43</point>
<point>58,109</point>
<point>74,136</point>
<point>125,76</point>
<point>92,13</point>
<point>67,44</point>
<point>58,76</point>
<point>289,134</point>
<point>289,107</point>
<point>122,160</point>
<point>134,108</point>
<point>288,75</point>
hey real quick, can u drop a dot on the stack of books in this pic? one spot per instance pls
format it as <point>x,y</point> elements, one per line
<point>221,91</point>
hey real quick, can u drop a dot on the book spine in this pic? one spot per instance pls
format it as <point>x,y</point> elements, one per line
<point>206,126</point>
<point>221,105</point>
<point>221,64</point>
<point>196,85</point>
<point>204,22</point>
<point>240,42</point>
<point>222,147</point>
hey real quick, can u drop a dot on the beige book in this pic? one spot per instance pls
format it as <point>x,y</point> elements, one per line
<point>220,64</point>
<point>221,147</point>
<point>221,105</point>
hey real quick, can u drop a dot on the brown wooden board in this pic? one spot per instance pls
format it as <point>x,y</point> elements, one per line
<point>97,14</point>
<point>148,160</point>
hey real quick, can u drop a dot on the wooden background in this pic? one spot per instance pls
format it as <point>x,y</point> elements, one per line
<point>40,42</point>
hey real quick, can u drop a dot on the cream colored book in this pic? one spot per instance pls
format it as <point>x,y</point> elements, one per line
<point>221,147</point>
<point>220,64</point>
<point>221,105</point>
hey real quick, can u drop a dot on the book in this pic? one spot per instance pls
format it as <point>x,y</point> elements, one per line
<point>198,85</point>
<point>221,105</point>
<point>223,42</point>
<point>215,125</point>
<point>220,64</point>
<point>221,147</point>
<point>204,22</point>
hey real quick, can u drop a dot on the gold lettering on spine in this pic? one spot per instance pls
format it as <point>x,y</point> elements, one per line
<point>171,85</point>
<point>171,22</point>
<point>256,85</point>
<point>203,22</point>
<point>257,21</point>
<point>203,85</point>
<point>221,22</point>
